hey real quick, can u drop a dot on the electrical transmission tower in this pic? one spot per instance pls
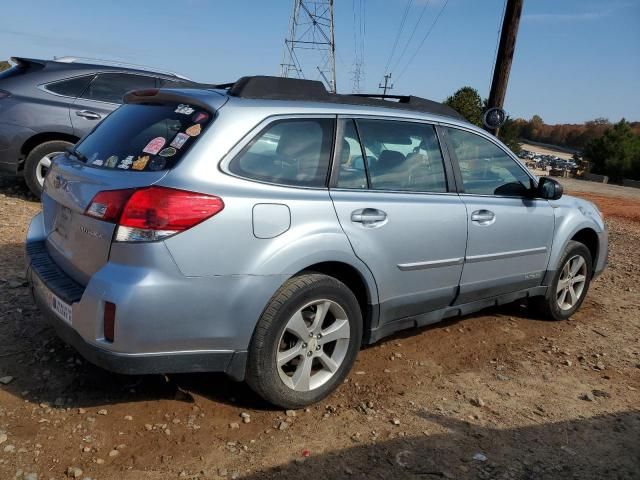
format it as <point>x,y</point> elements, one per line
<point>310,45</point>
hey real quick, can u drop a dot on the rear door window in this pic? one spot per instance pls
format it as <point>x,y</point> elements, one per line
<point>111,87</point>
<point>144,137</point>
<point>71,87</point>
<point>402,156</point>
<point>290,152</point>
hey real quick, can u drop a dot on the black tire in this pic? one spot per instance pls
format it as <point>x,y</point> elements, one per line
<point>262,371</point>
<point>547,306</point>
<point>33,159</point>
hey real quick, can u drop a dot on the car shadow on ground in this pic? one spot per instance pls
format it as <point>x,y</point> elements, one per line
<point>594,448</point>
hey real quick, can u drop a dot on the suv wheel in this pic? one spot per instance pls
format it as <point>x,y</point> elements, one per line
<point>570,283</point>
<point>305,342</point>
<point>38,163</point>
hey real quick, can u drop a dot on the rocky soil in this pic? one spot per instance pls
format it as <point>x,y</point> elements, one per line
<point>495,395</point>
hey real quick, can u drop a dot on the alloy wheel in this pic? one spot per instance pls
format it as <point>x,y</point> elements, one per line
<point>43,167</point>
<point>573,278</point>
<point>313,345</point>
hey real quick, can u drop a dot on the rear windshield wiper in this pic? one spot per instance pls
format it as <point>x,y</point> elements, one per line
<point>73,151</point>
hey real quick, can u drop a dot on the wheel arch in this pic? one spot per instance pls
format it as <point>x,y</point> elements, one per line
<point>40,138</point>
<point>589,238</point>
<point>355,281</point>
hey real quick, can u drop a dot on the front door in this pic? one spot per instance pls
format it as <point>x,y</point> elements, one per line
<point>393,200</point>
<point>510,233</point>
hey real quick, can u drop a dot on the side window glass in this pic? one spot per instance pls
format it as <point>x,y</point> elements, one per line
<point>70,88</point>
<point>290,152</point>
<point>351,173</point>
<point>403,156</point>
<point>111,87</point>
<point>486,169</point>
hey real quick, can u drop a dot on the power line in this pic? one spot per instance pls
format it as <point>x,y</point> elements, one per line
<point>435,20</point>
<point>413,32</point>
<point>400,29</point>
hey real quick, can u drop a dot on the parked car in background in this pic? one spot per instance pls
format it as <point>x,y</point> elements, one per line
<point>46,106</point>
<point>268,229</point>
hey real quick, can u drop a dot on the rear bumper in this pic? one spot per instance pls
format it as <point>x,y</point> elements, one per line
<point>231,363</point>
<point>12,137</point>
<point>165,322</point>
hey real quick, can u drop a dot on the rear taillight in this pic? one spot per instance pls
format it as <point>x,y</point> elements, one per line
<point>108,205</point>
<point>152,213</point>
<point>4,94</point>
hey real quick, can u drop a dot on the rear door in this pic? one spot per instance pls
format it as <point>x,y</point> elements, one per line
<point>400,212</point>
<point>102,96</point>
<point>510,233</point>
<point>135,147</point>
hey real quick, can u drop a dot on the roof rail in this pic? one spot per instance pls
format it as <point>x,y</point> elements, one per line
<point>282,88</point>
<point>115,63</point>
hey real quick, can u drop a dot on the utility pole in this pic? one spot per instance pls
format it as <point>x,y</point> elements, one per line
<point>310,44</point>
<point>504,57</point>
<point>386,85</point>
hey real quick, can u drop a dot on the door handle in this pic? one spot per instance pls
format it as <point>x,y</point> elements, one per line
<point>483,217</point>
<point>368,216</point>
<point>88,114</point>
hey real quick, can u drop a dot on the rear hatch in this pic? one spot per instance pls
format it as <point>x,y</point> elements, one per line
<point>133,148</point>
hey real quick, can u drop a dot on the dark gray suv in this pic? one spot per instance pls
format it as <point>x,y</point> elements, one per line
<point>46,106</point>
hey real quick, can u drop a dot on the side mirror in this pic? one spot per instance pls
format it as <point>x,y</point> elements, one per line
<point>549,189</point>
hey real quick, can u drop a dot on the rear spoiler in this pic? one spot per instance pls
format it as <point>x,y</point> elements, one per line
<point>28,62</point>
<point>157,95</point>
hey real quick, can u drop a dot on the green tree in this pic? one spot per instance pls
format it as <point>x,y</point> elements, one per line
<point>616,152</point>
<point>4,65</point>
<point>509,133</point>
<point>467,102</point>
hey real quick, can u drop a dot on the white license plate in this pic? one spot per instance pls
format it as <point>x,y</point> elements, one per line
<point>60,308</point>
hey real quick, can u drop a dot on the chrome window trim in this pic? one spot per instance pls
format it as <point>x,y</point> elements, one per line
<point>43,86</point>
<point>346,116</point>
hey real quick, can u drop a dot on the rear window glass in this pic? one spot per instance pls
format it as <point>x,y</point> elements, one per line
<point>290,152</point>
<point>144,137</point>
<point>71,87</point>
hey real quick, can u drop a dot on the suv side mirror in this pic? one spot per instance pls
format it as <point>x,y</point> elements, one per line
<point>549,189</point>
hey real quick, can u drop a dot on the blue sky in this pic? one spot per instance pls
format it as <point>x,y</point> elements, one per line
<point>575,59</point>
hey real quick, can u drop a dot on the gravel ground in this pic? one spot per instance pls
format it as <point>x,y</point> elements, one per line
<point>496,395</point>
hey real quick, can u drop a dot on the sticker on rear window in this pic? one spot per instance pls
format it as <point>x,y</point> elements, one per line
<point>200,117</point>
<point>141,162</point>
<point>97,162</point>
<point>180,140</point>
<point>194,130</point>
<point>157,163</point>
<point>184,109</point>
<point>167,152</point>
<point>126,163</point>
<point>154,146</point>
<point>111,162</point>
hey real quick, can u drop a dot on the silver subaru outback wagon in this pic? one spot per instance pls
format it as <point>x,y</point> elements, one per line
<point>268,228</point>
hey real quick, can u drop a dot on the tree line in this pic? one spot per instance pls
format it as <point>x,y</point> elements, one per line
<point>610,149</point>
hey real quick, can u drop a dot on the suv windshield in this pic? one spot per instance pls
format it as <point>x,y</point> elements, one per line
<point>144,137</point>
